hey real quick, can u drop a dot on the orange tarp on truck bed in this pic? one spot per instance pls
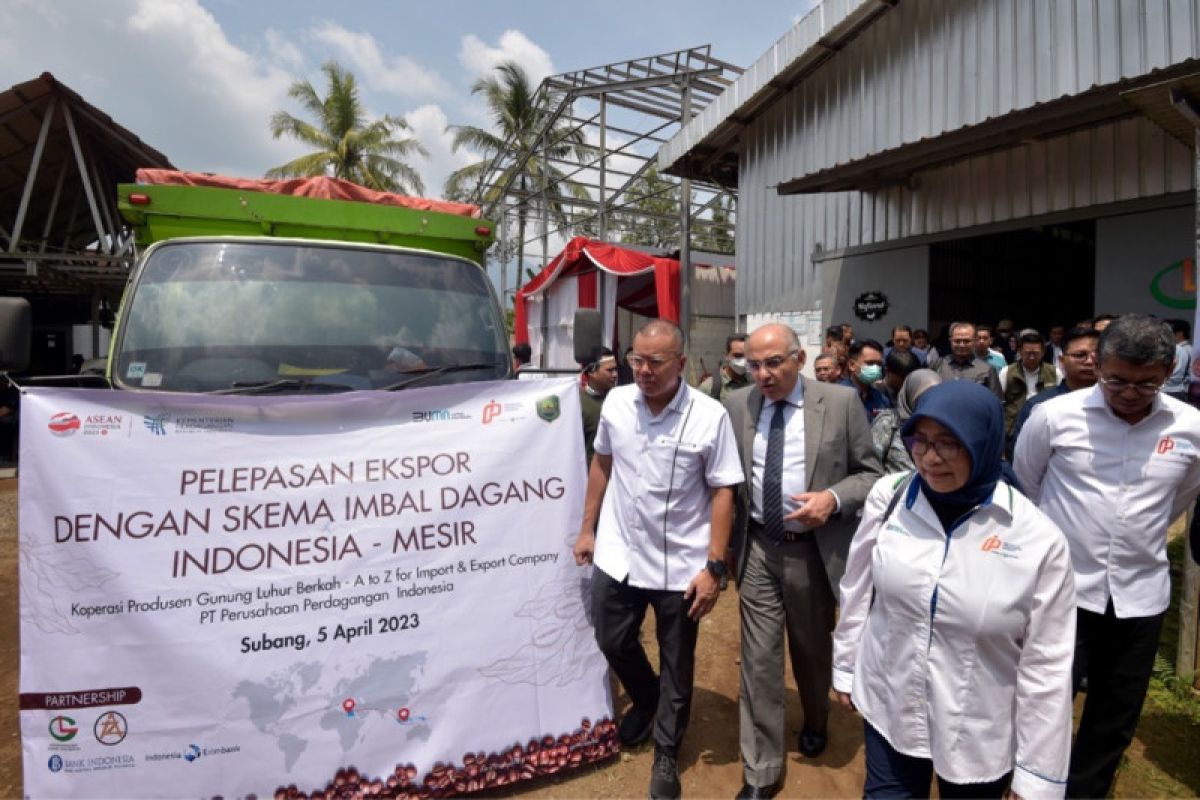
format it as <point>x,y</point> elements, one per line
<point>327,188</point>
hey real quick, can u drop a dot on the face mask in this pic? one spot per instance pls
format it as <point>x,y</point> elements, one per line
<point>870,373</point>
<point>737,365</point>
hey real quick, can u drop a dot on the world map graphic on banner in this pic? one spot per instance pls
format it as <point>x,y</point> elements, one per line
<point>383,686</point>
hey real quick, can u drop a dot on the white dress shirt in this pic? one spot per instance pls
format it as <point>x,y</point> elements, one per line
<point>958,648</point>
<point>1031,378</point>
<point>1113,488</point>
<point>655,522</point>
<point>795,478</point>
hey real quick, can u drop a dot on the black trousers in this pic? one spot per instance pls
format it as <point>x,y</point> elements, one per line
<point>1117,657</point>
<point>891,775</point>
<point>618,610</point>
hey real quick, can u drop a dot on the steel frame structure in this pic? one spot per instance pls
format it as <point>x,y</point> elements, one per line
<point>60,161</point>
<point>641,103</point>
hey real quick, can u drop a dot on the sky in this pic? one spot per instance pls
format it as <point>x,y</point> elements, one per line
<point>199,79</point>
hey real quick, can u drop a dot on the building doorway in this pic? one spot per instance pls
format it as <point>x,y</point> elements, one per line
<point>1036,277</point>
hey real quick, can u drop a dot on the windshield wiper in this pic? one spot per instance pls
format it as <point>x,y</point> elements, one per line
<point>262,387</point>
<point>429,372</point>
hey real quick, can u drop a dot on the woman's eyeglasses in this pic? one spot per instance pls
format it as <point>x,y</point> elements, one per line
<point>947,449</point>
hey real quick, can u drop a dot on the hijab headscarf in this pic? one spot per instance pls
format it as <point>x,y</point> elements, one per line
<point>975,417</point>
<point>913,387</point>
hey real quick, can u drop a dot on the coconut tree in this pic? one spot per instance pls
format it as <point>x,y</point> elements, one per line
<point>346,144</point>
<point>518,119</point>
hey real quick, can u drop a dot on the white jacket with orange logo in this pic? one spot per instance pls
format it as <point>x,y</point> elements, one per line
<point>958,648</point>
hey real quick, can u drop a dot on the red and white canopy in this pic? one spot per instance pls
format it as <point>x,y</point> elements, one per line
<point>578,277</point>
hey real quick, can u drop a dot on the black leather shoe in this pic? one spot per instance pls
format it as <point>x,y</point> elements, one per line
<point>812,744</point>
<point>664,778</point>
<point>750,792</point>
<point>635,727</point>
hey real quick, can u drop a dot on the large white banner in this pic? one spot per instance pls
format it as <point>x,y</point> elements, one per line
<point>234,595</point>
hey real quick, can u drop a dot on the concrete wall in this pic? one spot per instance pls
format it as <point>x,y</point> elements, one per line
<point>1134,253</point>
<point>902,275</point>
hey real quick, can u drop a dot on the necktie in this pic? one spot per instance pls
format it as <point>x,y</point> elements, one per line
<point>772,480</point>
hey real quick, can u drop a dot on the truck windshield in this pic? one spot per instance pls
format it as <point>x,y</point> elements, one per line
<point>208,316</point>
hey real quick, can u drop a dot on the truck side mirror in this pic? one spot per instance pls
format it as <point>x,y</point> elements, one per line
<point>587,338</point>
<point>15,331</point>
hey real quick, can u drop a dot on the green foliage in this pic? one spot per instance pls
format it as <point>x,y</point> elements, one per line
<point>717,237</point>
<point>1169,692</point>
<point>517,121</point>
<point>652,216</point>
<point>347,145</point>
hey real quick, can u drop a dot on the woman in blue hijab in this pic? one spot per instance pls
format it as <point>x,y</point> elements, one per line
<point>957,622</point>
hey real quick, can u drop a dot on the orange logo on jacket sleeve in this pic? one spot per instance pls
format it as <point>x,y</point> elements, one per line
<point>1165,445</point>
<point>991,543</point>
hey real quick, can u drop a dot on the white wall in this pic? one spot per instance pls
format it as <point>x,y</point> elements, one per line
<point>1131,250</point>
<point>902,275</point>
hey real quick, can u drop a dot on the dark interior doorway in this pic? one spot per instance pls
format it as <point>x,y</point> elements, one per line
<point>1037,277</point>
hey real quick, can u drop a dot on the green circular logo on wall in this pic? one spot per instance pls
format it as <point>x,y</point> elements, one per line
<point>1186,297</point>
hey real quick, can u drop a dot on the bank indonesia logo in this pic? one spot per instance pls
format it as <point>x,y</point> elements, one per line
<point>191,754</point>
<point>548,408</point>
<point>55,763</point>
<point>156,423</point>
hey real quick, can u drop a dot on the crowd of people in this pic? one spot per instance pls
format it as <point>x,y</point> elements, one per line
<point>951,538</point>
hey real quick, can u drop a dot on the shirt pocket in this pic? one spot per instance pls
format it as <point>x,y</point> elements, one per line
<point>1168,466</point>
<point>674,464</point>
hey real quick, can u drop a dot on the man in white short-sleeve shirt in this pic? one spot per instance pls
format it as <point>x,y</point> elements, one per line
<point>1112,466</point>
<point>656,523</point>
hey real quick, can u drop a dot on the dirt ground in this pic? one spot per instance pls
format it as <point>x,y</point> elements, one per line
<point>709,761</point>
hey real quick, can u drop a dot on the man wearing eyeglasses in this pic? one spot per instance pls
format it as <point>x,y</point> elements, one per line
<point>656,523</point>
<point>962,365</point>
<point>807,452</point>
<point>1113,466</point>
<point>1079,372</point>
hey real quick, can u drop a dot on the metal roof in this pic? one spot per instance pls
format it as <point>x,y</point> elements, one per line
<point>706,148</point>
<point>60,232</point>
<point>867,94</point>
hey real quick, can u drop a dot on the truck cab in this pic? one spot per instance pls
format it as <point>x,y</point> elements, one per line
<point>222,314</point>
<point>239,290</point>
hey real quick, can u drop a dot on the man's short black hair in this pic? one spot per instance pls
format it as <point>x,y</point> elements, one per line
<point>901,362</point>
<point>522,352</point>
<point>1103,318</point>
<point>604,353</point>
<point>904,328</point>
<point>988,328</point>
<point>734,337</point>
<point>1181,326</point>
<point>920,333</point>
<point>858,345</point>
<point>834,332</point>
<point>1079,333</point>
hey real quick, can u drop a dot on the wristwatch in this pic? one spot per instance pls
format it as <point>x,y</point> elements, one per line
<point>716,568</point>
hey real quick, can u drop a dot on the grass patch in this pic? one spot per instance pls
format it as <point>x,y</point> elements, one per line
<point>1162,760</point>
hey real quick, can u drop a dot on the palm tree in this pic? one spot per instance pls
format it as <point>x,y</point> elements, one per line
<point>652,216</point>
<point>348,145</point>
<point>517,120</point>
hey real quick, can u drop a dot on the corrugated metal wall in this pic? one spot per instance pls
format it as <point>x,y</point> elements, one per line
<point>934,65</point>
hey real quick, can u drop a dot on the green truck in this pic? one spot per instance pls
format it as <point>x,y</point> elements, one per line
<point>241,291</point>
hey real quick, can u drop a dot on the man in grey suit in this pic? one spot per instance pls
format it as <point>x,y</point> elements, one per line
<point>806,450</point>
